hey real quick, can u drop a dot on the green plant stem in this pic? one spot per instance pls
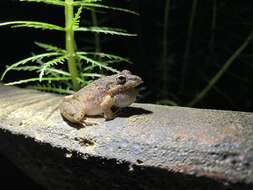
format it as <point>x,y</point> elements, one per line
<point>70,43</point>
<point>96,35</point>
<point>218,75</point>
<point>213,27</point>
<point>211,43</point>
<point>164,65</point>
<point>188,43</point>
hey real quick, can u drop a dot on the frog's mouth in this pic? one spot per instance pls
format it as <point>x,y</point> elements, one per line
<point>135,81</point>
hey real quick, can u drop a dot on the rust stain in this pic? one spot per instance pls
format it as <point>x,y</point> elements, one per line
<point>208,136</point>
<point>231,131</point>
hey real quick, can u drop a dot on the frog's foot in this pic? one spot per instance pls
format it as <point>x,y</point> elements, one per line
<point>108,115</point>
<point>86,123</point>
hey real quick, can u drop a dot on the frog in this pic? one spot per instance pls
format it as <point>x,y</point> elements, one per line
<point>100,96</point>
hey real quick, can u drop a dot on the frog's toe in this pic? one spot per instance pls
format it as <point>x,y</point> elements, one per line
<point>109,117</point>
<point>87,123</point>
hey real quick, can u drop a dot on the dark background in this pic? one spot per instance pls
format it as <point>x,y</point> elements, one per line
<point>208,52</point>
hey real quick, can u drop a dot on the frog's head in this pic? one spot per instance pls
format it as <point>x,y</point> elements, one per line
<point>124,91</point>
<point>127,79</point>
<point>123,82</point>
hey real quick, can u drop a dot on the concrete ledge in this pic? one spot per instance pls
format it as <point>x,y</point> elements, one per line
<point>145,147</point>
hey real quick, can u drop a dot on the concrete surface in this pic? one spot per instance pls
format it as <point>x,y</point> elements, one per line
<point>146,147</point>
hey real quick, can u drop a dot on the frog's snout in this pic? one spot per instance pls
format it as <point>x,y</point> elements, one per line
<point>137,80</point>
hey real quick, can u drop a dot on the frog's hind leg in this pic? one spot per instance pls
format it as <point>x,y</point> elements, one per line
<point>85,123</point>
<point>72,111</point>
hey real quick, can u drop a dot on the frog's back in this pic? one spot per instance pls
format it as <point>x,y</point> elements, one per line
<point>94,91</point>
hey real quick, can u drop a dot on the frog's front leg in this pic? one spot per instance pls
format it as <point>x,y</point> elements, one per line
<point>106,106</point>
<point>72,111</point>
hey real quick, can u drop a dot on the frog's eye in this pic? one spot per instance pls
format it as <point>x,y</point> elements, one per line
<point>127,72</point>
<point>121,79</point>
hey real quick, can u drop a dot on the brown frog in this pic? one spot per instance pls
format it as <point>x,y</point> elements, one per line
<point>100,96</point>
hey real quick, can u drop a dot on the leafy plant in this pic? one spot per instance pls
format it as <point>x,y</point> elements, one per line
<point>186,79</point>
<point>188,43</point>
<point>219,74</point>
<point>164,61</point>
<point>48,64</point>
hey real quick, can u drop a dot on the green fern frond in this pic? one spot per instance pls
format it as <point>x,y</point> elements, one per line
<point>88,68</point>
<point>51,63</point>
<point>58,71</point>
<point>82,81</point>
<point>33,24</point>
<point>94,75</point>
<point>106,55</point>
<point>50,47</point>
<point>76,19</point>
<point>38,79</point>
<point>30,59</point>
<point>38,69</point>
<point>96,5</point>
<point>94,62</point>
<point>111,62</point>
<point>91,1</point>
<point>52,2</point>
<point>105,30</point>
<point>27,68</point>
<point>51,88</point>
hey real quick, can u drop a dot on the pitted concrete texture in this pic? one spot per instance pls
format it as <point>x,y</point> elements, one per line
<point>145,142</point>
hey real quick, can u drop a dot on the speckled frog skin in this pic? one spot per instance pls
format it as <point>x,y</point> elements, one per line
<point>100,96</point>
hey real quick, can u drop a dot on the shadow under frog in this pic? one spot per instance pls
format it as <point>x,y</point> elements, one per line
<point>130,111</point>
<point>118,112</point>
